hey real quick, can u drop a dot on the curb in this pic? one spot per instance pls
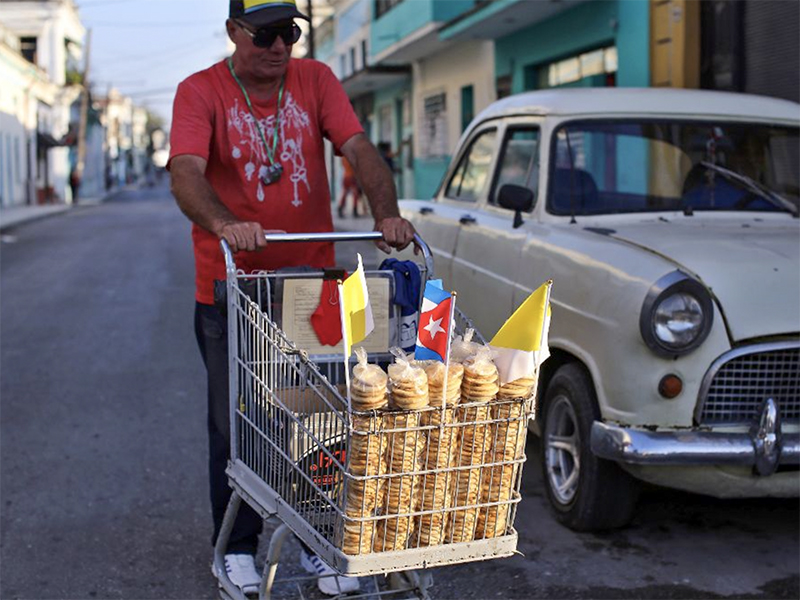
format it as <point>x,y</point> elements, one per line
<point>35,215</point>
<point>29,214</point>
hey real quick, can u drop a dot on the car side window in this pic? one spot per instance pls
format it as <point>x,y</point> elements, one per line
<point>519,161</point>
<point>471,177</point>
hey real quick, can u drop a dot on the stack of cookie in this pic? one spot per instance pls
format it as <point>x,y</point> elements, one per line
<point>520,388</point>
<point>439,450</point>
<point>438,456</point>
<point>404,448</point>
<point>507,435</point>
<point>364,496</point>
<point>365,454</point>
<point>435,371</point>
<point>408,386</point>
<point>480,383</point>
<point>478,387</point>
<point>471,450</point>
<point>368,389</point>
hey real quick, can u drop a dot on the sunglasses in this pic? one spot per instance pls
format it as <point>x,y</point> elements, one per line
<point>266,36</point>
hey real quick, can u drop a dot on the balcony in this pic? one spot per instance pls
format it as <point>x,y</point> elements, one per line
<point>372,78</point>
<point>502,17</point>
<point>409,30</point>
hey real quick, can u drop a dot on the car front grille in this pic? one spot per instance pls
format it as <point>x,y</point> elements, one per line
<point>738,383</point>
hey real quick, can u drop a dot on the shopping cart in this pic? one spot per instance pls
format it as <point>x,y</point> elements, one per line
<point>432,487</point>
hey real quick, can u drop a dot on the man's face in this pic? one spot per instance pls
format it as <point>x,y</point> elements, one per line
<point>263,62</point>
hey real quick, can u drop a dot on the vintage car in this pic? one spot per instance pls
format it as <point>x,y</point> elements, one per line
<point>668,220</point>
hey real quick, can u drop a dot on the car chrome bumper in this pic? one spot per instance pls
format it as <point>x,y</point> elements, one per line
<point>764,447</point>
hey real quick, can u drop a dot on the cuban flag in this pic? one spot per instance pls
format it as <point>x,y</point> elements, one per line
<point>433,337</point>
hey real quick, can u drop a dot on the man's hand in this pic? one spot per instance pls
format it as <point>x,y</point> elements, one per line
<point>397,233</point>
<point>242,235</point>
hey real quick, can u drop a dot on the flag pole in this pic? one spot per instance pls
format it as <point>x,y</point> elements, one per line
<point>447,351</point>
<point>345,343</point>
<point>544,319</point>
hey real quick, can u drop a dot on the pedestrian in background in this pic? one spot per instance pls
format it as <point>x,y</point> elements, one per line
<point>350,187</point>
<point>385,150</point>
<point>247,155</point>
<point>74,184</point>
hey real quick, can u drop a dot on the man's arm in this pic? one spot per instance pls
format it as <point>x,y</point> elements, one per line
<point>198,201</point>
<point>377,181</point>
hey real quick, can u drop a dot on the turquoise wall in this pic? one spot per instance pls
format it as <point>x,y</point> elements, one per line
<point>405,18</point>
<point>633,44</point>
<point>428,173</point>
<point>389,96</point>
<point>585,27</point>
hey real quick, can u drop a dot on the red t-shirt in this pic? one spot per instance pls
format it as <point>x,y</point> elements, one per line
<point>211,120</point>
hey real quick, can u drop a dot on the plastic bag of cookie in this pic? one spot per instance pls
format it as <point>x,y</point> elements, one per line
<point>437,392</point>
<point>463,348</point>
<point>524,387</point>
<point>480,382</point>
<point>368,386</point>
<point>408,383</point>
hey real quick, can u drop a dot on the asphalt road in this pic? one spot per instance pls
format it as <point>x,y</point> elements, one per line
<point>103,489</point>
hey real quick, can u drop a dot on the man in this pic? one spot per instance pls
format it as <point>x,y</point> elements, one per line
<point>247,155</point>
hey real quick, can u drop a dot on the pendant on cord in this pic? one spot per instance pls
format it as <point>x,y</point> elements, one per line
<point>271,174</point>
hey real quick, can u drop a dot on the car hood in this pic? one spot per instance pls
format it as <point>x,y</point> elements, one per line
<point>752,267</point>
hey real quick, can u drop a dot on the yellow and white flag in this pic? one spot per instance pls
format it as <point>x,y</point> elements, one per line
<point>521,344</point>
<point>357,321</point>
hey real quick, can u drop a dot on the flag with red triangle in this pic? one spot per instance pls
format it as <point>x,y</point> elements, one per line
<point>433,337</point>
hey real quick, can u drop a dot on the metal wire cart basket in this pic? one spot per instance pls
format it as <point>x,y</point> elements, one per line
<point>376,492</point>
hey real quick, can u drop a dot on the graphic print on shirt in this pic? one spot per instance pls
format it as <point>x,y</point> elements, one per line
<point>250,147</point>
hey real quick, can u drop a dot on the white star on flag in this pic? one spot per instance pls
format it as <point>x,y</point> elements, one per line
<point>434,327</point>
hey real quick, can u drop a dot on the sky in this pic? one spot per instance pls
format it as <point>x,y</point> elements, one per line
<point>144,48</point>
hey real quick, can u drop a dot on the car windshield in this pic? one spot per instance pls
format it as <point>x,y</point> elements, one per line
<point>621,166</point>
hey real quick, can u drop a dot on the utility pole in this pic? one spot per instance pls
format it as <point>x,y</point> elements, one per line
<point>310,12</point>
<point>84,115</point>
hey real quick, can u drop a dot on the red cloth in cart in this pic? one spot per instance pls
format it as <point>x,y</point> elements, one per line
<point>327,319</point>
<point>211,120</point>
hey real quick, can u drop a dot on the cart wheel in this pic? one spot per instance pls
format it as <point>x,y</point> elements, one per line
<point>418,581</point>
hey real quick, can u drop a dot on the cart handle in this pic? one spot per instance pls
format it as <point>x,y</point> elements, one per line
<point>334,236</point>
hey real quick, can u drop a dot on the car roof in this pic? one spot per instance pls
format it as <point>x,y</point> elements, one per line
<point>626,101</point>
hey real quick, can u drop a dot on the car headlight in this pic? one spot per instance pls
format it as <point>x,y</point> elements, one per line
<point>676,316</point>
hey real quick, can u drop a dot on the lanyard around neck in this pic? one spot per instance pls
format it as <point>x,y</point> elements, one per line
<point>270,151</point>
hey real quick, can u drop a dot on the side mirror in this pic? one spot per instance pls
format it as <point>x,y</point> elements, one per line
<point>516,198</point>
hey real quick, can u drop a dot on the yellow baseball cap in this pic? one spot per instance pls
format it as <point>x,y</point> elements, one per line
<point>260,13</point>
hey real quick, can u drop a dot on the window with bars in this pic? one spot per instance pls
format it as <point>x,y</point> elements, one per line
<point>433,133</point>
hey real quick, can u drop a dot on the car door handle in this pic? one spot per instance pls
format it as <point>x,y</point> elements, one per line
<point>425,210</point>
<point>467,220</point>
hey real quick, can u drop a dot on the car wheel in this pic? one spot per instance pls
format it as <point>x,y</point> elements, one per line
<point>585,492</point>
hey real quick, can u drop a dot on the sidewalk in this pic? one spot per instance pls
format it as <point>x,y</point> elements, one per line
<point>11,216</point>
<point>349,223</point>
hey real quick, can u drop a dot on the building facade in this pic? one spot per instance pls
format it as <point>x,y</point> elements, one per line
<point>418,71</point>
<point>42,70</point>
<point>40,50</point>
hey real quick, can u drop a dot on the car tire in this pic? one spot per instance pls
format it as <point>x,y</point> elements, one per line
<point>585,492</point>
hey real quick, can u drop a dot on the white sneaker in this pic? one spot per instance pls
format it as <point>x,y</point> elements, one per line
<point>328,581</point>
<point>241,569</point>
